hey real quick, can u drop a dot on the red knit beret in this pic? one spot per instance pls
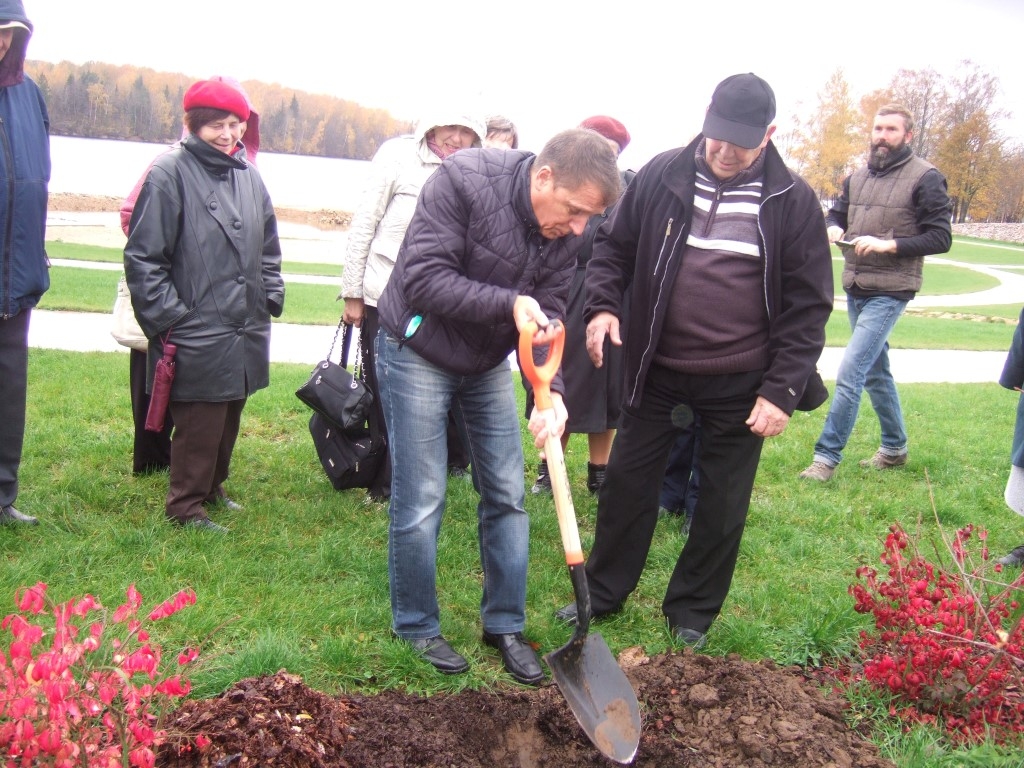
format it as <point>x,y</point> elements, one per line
<point>216,94</point>
<point>608,127</point>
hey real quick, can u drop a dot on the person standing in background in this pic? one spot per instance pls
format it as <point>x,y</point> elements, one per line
<point>203,263</point>
<point>397,173</point>
<point>501,133</point>
<point>151,451</point>
<point>1012,377</point>
<point>592,395</point>
<point>24,266</point>
<point>892,213</point>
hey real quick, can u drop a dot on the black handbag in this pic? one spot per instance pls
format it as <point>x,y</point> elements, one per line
<point>350,458</point>
<point>335,393</point>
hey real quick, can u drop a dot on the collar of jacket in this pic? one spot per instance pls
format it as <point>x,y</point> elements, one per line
<point>212,158</point>
<point>522,180</point>
<point>681,171</point>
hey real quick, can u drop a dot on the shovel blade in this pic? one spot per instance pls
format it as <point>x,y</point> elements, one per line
<point>599,695</point>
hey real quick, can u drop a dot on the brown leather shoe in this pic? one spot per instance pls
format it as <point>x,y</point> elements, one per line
<point>884,460</point>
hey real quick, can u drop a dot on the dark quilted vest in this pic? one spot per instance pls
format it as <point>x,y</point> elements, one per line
<point>882,205</point>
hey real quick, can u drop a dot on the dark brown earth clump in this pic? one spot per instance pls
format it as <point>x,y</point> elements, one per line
<point>697,711</point>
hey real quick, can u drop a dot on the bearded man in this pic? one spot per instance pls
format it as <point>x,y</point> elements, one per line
<point>891,214</point>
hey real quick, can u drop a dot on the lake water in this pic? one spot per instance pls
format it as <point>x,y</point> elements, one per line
<point>105,167</point>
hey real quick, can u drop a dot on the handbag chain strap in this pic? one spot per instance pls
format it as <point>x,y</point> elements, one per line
<point>344,342</point>
<point>358,369</point>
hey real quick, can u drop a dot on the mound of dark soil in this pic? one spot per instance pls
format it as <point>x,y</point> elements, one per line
<point>698,711</point>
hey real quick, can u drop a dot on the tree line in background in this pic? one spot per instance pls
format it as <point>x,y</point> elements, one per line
<point>136,104</point>
<point>956,129</point>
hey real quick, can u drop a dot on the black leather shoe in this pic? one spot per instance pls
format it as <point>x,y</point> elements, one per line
<point>568,614</point>
<point>1013,560</point>
<point>206,524</point>
<point>10,516</point>
<point>518,656</point>
<point>690,637</point>
<point>441,655</point>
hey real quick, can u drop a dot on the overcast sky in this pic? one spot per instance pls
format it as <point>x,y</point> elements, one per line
<point>547,64</point>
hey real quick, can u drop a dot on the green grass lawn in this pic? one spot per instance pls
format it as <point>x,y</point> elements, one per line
<point>301,582</point>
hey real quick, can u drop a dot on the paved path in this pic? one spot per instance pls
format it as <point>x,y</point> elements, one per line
<point>87,332</point>
<point>289,343</point>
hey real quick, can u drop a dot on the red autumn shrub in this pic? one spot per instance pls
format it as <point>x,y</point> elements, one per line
<point>946,646</point>
<point>87,695</point>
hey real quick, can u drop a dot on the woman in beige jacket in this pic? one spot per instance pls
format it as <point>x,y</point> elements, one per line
<point>398,171</point>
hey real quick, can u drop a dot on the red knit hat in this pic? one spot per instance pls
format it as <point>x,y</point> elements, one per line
<point>608,127</point>
<point>216,95</point>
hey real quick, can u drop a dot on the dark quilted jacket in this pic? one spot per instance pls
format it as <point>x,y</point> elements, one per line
<point>473,245</point>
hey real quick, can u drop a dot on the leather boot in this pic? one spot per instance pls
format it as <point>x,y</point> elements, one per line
<point>595,476</point>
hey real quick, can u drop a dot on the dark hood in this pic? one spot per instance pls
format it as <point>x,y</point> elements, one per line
<point>12,67</point>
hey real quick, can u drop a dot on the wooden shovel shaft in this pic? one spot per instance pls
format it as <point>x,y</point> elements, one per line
<point>540,377</point>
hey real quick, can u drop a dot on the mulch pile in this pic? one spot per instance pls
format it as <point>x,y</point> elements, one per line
<point>698,710</point>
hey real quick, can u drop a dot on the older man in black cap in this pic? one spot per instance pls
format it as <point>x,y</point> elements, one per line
<point>723,252</point>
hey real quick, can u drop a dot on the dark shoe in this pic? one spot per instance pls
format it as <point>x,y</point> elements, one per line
<point>884,460</point>
<point>10,516</point>
<point>687,521</point>
<point>518,656</point>
<point>441,655</point>
<point>543,482</point>
<point>595,476</point>
<point>456,471</point>
<point>568,614</point>
<point>231,504</point>
<point>690,637</point>
<point>1014,559</point>
<point>206,524</point>
<point>219,497</point>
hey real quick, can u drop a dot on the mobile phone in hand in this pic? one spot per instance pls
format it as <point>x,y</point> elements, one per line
<point>844,243</point>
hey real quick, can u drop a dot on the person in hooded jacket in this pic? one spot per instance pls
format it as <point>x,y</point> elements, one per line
<point>151,451</point>
<point>203,264</point>
<point>397,173</point>
<point>24,267</point>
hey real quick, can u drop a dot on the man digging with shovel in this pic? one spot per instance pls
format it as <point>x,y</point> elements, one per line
<point>491,247</point>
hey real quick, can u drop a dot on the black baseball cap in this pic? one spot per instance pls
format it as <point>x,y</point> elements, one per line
<point>742,107</point>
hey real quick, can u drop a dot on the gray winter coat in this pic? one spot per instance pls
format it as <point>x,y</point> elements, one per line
<point>203,262</point>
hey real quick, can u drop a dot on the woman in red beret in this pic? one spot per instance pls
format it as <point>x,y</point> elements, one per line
<point>203,265</point>
<point>151,451</point>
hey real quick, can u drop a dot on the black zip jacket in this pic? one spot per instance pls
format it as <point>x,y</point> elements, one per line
<point>640,247</point>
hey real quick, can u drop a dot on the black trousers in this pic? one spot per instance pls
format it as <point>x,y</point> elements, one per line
<point>13,400</point>
<point>151,451</point>
<point>627,509</point>
<point>204,438</point>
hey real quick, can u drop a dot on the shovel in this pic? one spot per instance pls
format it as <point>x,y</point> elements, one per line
<point>596,688</point>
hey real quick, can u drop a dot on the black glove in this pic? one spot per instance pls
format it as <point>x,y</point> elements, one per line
<point>274,308</point>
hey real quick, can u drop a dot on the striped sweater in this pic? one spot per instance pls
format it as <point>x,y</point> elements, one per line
<point>718,321</point>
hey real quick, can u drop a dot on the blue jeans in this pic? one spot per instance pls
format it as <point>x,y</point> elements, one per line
<point>416,396</point>
<point>865,365</point>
